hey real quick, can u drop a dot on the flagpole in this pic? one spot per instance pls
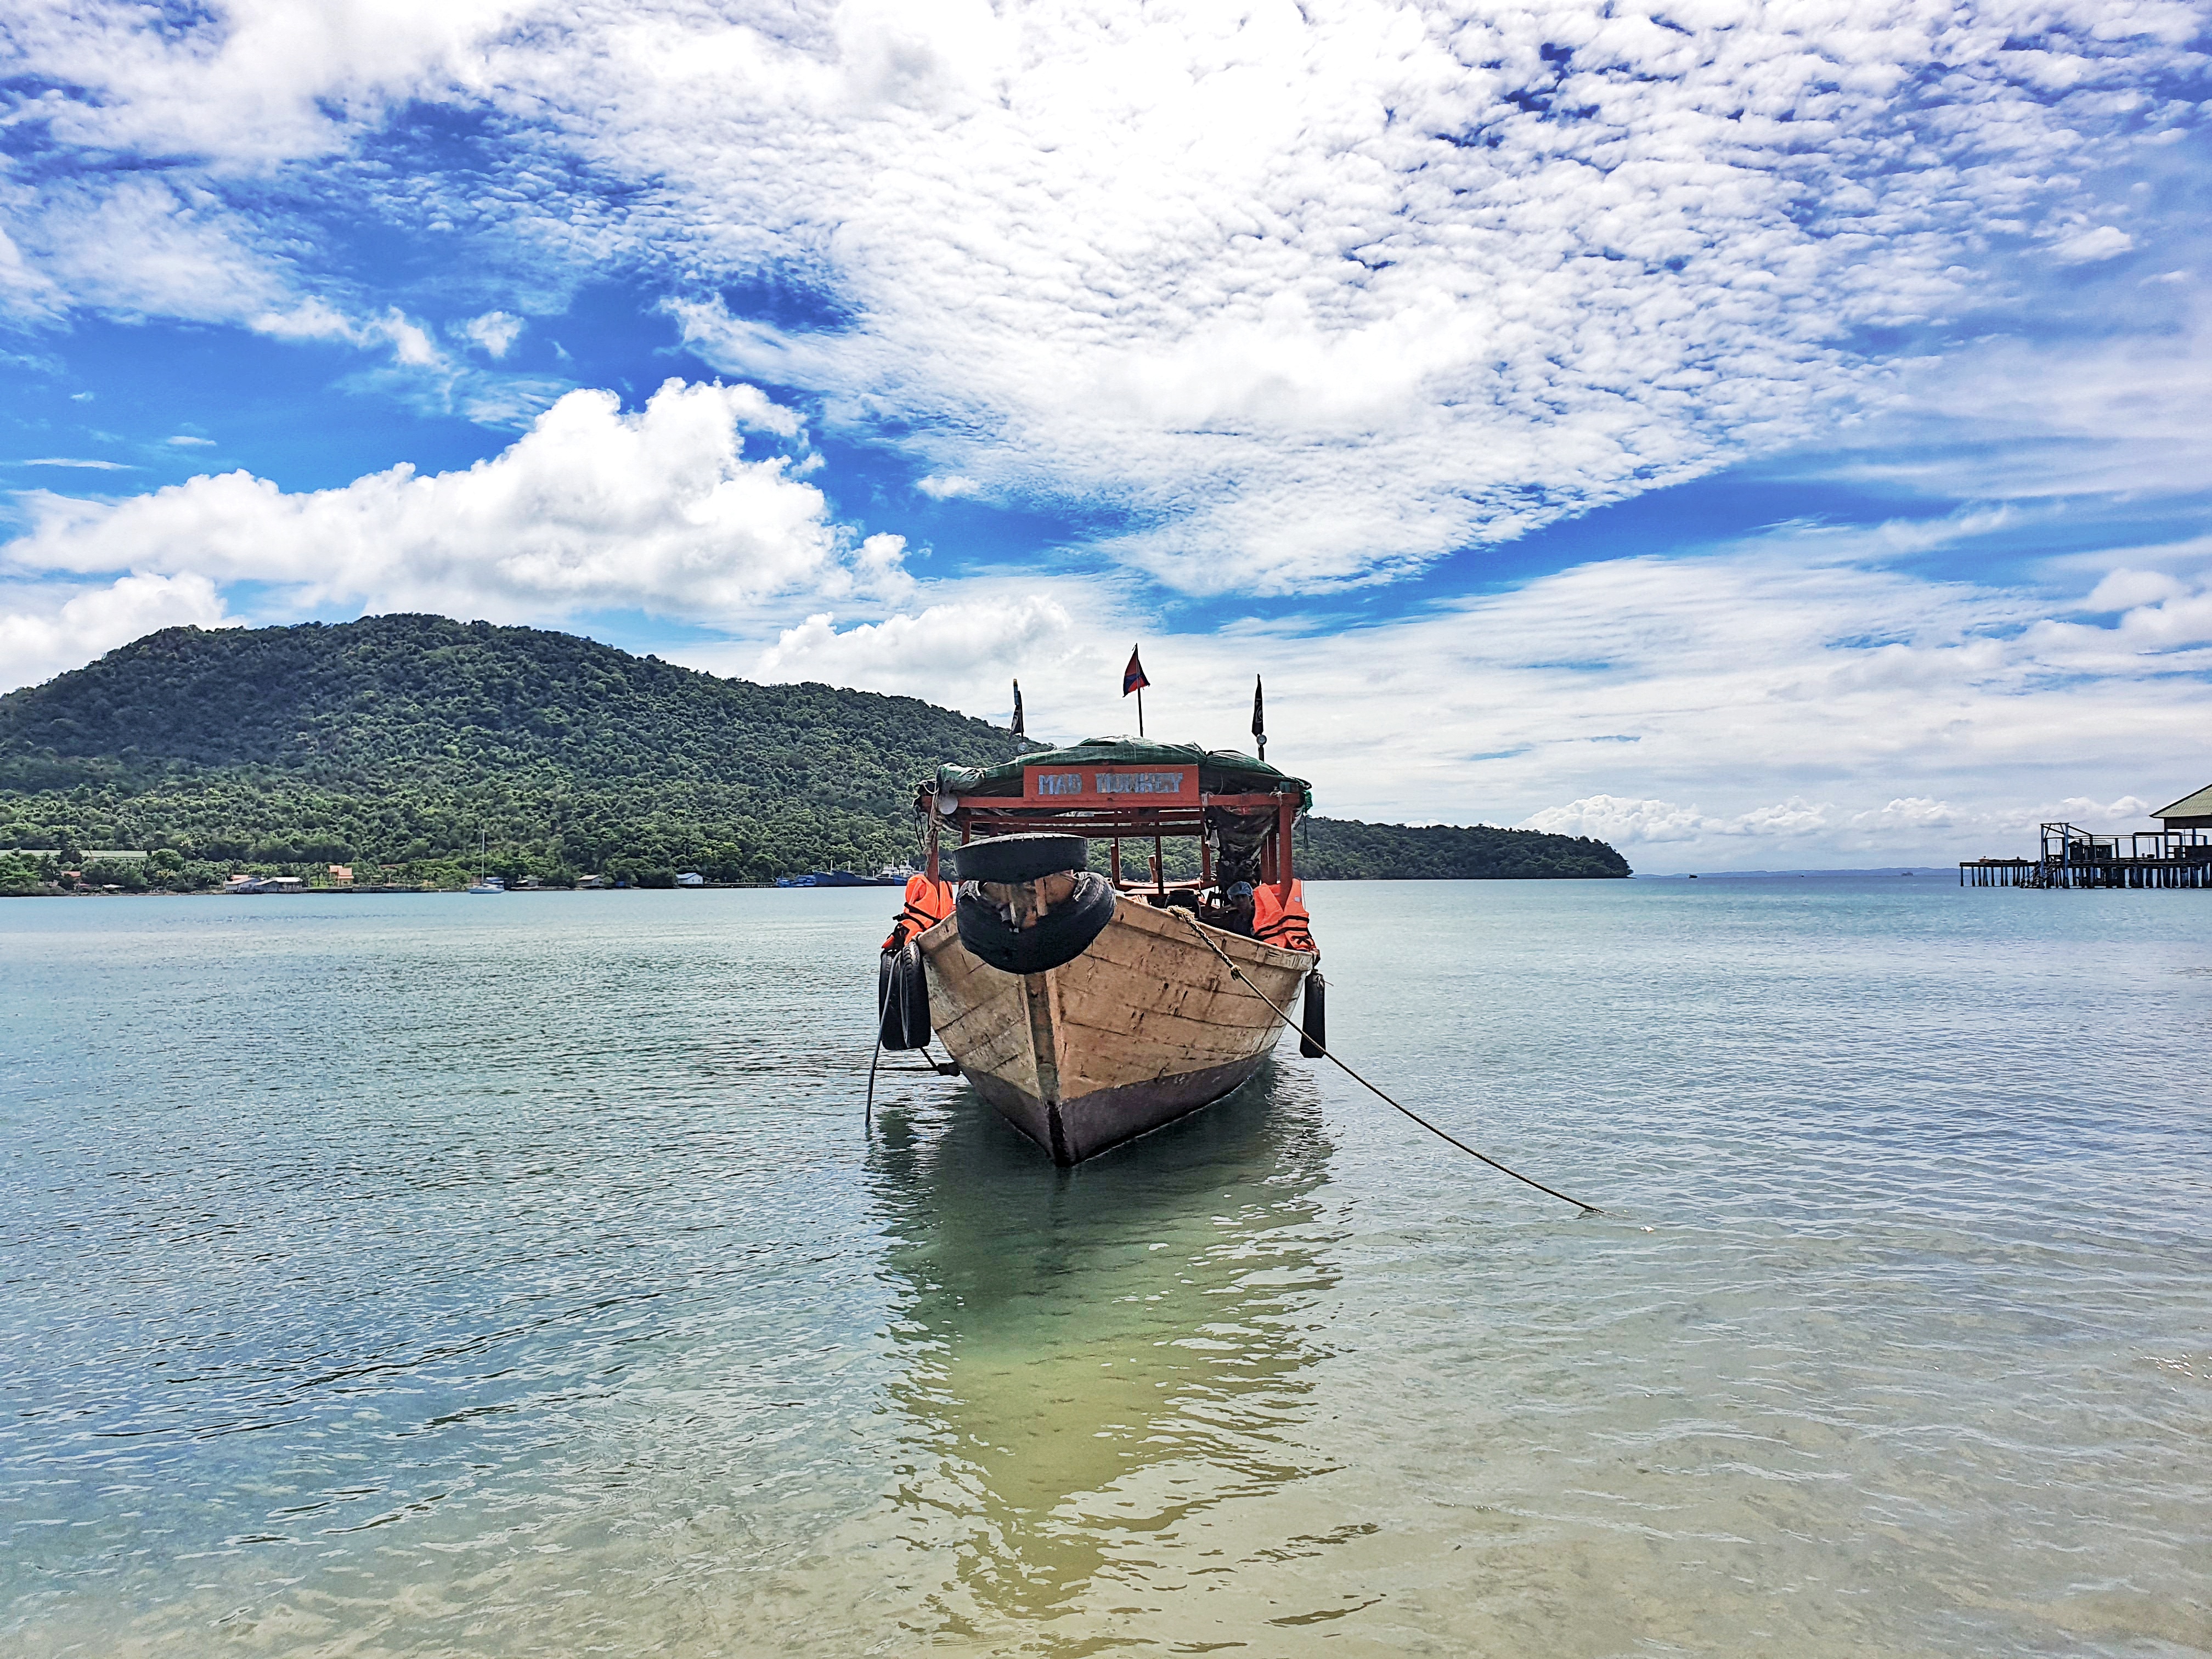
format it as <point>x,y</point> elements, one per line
<point>1141,711</point>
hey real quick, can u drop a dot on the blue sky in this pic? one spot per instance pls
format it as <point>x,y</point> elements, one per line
<point>1764,435</point>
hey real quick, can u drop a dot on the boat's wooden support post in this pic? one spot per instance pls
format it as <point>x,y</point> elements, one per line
<point>1115,861</point>
<point>1286,815</point>
<point>1160,866</point>
<point>933,876</point>
<point>1205,848</point>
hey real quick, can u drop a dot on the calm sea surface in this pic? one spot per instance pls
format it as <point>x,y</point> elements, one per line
<point>432,1275</point>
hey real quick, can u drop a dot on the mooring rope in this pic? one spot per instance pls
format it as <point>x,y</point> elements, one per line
<point>875,1056</point>
<point>1238,974</point>
<point>868,1112</point>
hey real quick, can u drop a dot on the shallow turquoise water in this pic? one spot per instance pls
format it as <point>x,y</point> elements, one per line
<point>427,1275</point>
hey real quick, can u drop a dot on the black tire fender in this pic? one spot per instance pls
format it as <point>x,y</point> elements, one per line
<point>1313,1024</point>
<point>1059,936</point>
<point>1009,859</point>
<point>902,999</point>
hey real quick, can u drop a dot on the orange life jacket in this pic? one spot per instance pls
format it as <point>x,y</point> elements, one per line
<point>1279,921</point>
<point>927,904</point>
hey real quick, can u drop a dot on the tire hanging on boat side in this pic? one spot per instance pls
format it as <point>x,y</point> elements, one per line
<point>902,999</point>
<point>1313,1018</point>
<point>1059,936</point>
<point>1009,859</point>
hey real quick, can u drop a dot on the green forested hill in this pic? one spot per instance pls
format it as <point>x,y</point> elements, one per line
<point>396,740</point>
<point>393,742</point>
<point>1343,848</point>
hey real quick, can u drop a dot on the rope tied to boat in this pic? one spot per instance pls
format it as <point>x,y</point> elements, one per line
<point>1238,974</point>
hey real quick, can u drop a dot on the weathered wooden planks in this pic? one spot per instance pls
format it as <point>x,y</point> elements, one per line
<point>1145,1025</point>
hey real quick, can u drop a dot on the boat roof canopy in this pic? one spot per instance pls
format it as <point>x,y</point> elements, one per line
<point>1220,772</point>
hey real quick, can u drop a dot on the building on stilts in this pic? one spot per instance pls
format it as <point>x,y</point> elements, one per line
<point>2178,855</point>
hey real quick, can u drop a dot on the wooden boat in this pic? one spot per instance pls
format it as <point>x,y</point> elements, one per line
<point>1147,1022</point>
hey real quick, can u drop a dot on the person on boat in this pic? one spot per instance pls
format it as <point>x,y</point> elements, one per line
<point>1282,921</point>
<point>927,904</point>
<point>1233,915</point>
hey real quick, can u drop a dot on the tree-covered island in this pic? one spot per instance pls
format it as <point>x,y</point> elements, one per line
<point>389,744</point>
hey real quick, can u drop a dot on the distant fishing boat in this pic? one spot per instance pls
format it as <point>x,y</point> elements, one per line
<point>1089,1008</point>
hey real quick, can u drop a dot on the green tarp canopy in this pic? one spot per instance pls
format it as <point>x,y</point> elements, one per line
<point>1220,772</point>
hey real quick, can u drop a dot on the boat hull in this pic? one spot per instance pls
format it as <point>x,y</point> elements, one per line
<point>1147,1024</point>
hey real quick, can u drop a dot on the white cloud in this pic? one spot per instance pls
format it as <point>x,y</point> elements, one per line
<point>1657,833</point>
<point>962,653</point>
<point>142,246</point>
<point>1313,294</point>
<point>2016,418</point>
<point>2125,590</point>
<point>244,82</point>
<point>46,629</point>
<point>947,487</point>
<point>591,509</point>
<point>1789,693</point>
<point>2106,242</point>
<point>25,293</point>
<point>1623,822</point>
<point>493,332</point>
<point>75,461</point>
<point>186,441</point>
<point>1319,293</point>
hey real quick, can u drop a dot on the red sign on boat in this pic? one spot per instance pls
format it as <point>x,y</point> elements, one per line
<point>1111,786</point>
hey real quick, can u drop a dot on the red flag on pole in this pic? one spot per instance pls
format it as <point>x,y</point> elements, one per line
<point>1133,675</point>
<point>1133,679</point>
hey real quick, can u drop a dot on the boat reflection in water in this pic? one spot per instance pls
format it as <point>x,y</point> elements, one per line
<point>1103,1359</point>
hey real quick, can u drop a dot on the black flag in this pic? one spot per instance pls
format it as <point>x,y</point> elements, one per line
<point>1017,710</point>
<point>1259,717</point>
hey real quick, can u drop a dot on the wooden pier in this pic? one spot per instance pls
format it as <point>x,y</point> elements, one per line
<point>2073,857</point>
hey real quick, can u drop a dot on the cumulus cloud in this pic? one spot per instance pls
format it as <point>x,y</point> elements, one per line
<point>592,508</point>
<point>962,653</point>
<point>48,628</point>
